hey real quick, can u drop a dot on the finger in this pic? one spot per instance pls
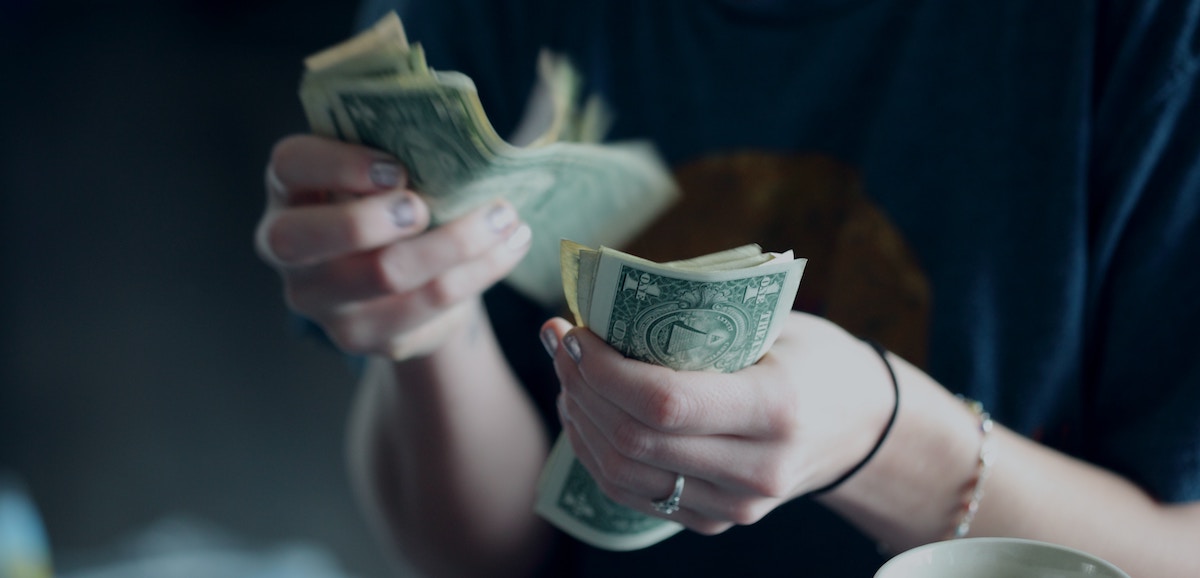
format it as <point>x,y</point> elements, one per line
<point>742,466</point>
<point>613,469</point>
<point>747,466</point>
<point>304,166</point>
<point>680,402</point>
<point>636,486</point>
<point>723,459</point>
<point>305,235</point>
<point>375,326</point>
<point>412,263</point>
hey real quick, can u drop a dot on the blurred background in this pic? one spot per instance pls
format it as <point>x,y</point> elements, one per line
<point>150,378</point>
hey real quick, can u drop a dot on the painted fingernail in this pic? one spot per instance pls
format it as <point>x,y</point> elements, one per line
<point>519,238</point>
<point>501,217</point>
<point>549,341</point>
<point>404,214</point>
<point>385,174</point>
<point>571,344</point>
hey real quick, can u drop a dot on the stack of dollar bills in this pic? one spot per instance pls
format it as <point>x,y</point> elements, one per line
<point>376,89</point>
<point>718,312</point>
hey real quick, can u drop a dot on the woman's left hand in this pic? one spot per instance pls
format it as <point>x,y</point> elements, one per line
<point>746,442</point>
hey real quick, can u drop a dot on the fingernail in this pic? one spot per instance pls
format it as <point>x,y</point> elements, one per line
<point>571,344</point>
<point>385,174</point>
<point>549,341</point>
<point>501,217</point>
<point>404,214</point>
<point>519,238</point>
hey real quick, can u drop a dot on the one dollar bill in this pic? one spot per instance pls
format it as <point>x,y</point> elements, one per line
<point>376,89</point>
<point>718,312</point>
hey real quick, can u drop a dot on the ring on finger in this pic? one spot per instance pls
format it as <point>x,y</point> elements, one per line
<point>670,504</point>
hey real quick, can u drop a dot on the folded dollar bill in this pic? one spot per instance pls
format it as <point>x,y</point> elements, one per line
<point>377,89</point>
<point>718,312</point>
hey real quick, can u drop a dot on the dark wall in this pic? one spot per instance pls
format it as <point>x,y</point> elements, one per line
<point>147,364</point>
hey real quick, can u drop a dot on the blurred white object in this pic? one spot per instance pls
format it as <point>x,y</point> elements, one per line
<point>182,547</point>
<point>997,558</point>
<point>24,550</point>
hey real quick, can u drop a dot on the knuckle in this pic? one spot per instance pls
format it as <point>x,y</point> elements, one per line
<point>287,155</point>
<point>618,475</point>
<point>670,409</point>
<point>782,419</point>
<point>348,174</point>
<point>465,238</point>
<point>632,440</point>
<point>459,244</point>
<point>279,244</point>
<point>612,469</point>
<point>381,275</point>
<point>283,149</point>
<point>767,481</point>
<point>443,291</point>
<point>745,513</point>
<point>349,226</point>
<point>610,488</point>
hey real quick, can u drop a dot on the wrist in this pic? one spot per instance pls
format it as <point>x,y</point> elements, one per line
<point>883,435</point>
<point>456,328</point>
<point>460,363</point>
<point>972,496</point>
<point>911,492</point>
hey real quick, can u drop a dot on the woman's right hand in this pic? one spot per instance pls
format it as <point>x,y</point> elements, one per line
<point>352,244</point>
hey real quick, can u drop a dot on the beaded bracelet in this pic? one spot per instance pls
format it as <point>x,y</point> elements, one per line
<point>982,469</point>
<point>887,429</point>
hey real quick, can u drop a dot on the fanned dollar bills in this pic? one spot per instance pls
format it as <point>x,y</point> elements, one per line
<point>719,312</point>
<point>377,90</point>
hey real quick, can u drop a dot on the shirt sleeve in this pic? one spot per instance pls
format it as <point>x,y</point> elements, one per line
<point>1143,401</point>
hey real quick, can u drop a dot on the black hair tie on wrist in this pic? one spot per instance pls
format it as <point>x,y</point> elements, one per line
<point>886,430</point>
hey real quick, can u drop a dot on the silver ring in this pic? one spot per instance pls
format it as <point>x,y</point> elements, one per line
<point>670,504</point>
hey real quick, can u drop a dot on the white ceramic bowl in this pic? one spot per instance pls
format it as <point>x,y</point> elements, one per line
<point>996,558</point>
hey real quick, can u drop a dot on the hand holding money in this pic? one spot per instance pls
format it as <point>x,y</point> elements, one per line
<point>719,312</point>
<point>376,89</point>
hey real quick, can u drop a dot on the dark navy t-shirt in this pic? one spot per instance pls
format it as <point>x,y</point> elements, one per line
<point>1005,193</point>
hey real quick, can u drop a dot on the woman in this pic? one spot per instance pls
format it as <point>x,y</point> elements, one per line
<point>1004,196</point>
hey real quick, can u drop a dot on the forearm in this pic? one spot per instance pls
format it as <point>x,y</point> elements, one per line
<point>1041,494</point>
<point>446,451</point>
<point>912,490</point>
